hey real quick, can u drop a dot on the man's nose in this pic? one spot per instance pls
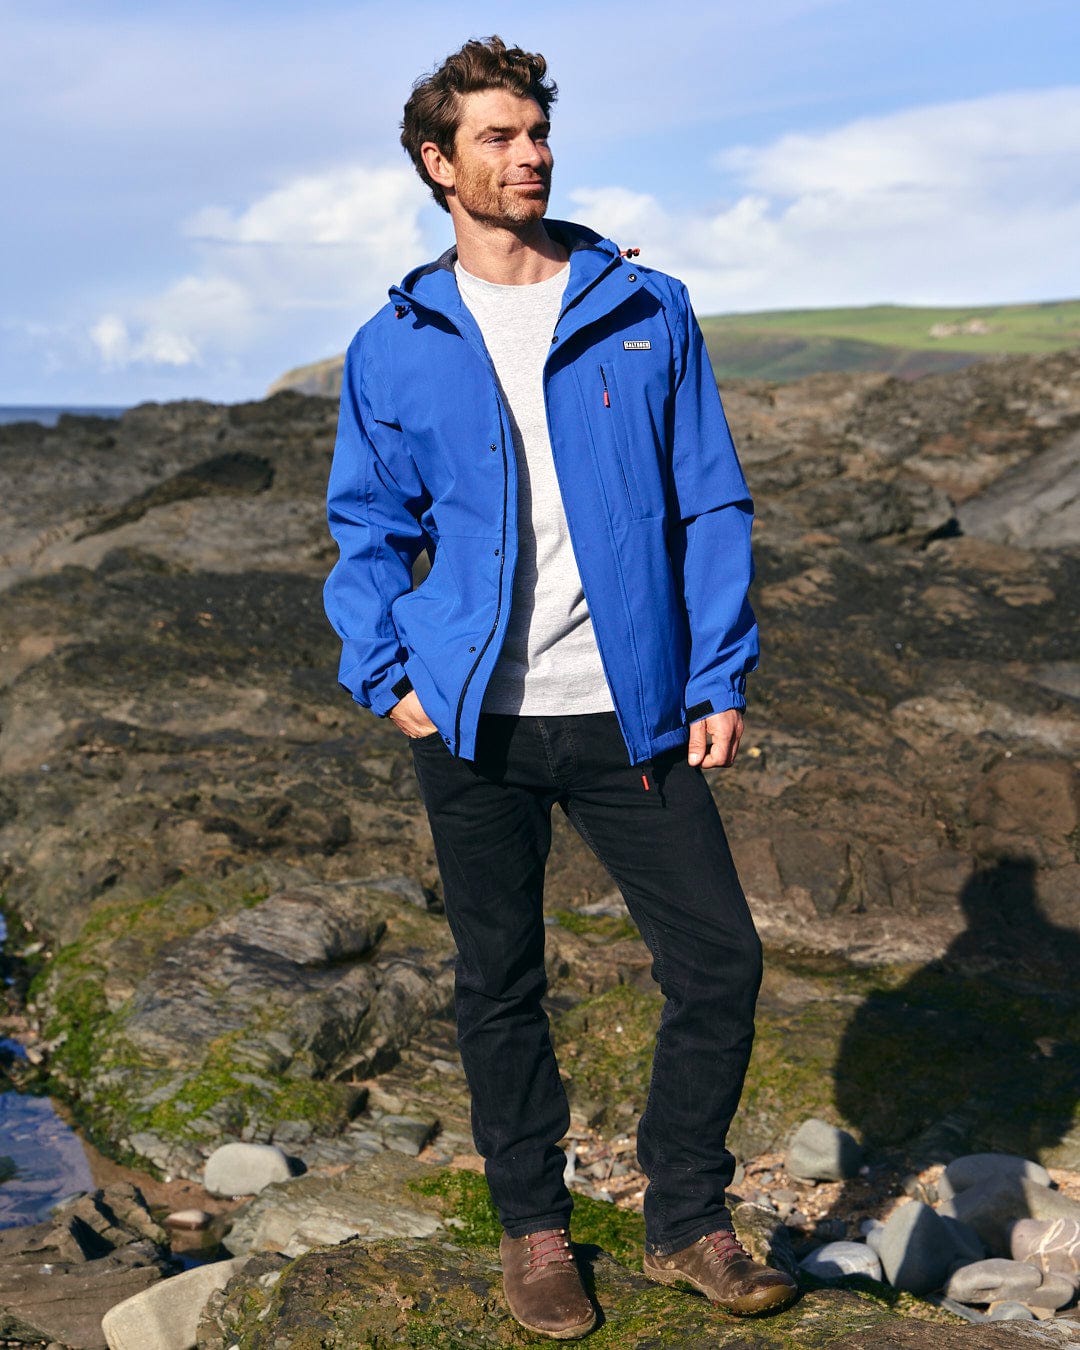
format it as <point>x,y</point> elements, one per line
<point>527,151</point>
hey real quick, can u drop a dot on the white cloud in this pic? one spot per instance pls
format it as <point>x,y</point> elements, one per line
<point>111,338</point>
<point>962,202</point>
<point>322,242</point>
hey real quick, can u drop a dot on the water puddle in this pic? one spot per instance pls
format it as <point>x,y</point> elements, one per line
<point>42,1159</point>
<point>47,1161</point>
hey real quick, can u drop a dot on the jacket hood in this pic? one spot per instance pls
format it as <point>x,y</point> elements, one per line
<point>573,238</point>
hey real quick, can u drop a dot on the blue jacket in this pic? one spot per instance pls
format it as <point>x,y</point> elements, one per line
<point>657,506</point>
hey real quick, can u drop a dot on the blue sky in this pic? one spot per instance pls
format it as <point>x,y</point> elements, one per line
<point>198,196</point>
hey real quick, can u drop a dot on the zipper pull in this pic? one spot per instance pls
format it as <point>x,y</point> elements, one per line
<point>607,404</point>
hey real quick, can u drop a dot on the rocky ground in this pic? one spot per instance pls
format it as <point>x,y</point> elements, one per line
<point>218,875</point>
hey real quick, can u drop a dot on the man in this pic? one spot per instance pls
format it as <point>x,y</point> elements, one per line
<point>538,413</point>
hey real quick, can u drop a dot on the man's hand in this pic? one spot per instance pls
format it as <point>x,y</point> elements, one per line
<point>714,741</point>
<point>408,716</point>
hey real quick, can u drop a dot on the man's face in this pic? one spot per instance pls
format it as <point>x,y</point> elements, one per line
<point>502,161</point>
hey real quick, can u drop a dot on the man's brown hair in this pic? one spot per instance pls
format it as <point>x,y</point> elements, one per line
<point>433,111</point>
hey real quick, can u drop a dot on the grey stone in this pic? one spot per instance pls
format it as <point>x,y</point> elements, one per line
<point>405,888</point>
<point>244,1169</point>
<point>764,1236</point>
<point>166,1315</point>
<point>192,1219</point>
<point>368,1200</point>
<point>406,1134</point>
<point>1035,505</point>
<point>1055,1291</point>
<point>822,1152</point>
<point>872,1230</point>
<point>917,1249</point>
<point>1051,1244</point>
<point>993,1280</point>
<point>992,1208</point>
<point>968,1245</point>
<point>1009,1311</point>
<point>976,1169</point>
<point>960,1310</point>
<point>837,1259</point>
<point>65,1299</point>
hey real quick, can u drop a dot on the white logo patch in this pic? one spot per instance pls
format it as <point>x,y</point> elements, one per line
<point>637,345</point>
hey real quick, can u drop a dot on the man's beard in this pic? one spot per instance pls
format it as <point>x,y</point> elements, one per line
<point>501,204</point>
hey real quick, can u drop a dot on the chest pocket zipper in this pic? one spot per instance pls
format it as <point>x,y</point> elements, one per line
<point>619,437</point>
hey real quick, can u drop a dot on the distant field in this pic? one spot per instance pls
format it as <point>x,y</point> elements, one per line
<point>787,344</point>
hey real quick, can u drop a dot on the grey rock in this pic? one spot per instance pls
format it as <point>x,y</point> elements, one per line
<point>66,1300</point>
<point>917,1249</point>
<point>993,1281</point>
<point>1036,505</point>
<point>347,1148</point>
<point>822,1152</point>
<point>977,1169</point>
<point>960,1310</point>
<point>58,1278</point>
<point>244,1169</point>
<point>1009,1311</point>
<point>166,1315</point>
<point>837,1259</point>
<point>406,1134</point>
<point>368,1200</point>
<point>405,888</point>
<point>1056,1291</point>
<point>992,1208</point>
<point>188,1219</point>
<point>969,1247</point>
<point>872,1230</point>
<point>764,1236</point>
<point>1051,1244</point>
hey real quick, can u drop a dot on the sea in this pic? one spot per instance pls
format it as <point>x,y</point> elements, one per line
<point>48,417</point>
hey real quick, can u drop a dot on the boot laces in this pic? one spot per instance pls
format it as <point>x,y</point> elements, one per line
<point>548,1248</point>
<point>723,1245</point>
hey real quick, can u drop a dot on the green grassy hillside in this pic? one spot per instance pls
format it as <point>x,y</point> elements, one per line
<point>787,344</point>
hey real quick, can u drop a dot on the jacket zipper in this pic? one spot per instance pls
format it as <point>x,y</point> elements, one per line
<point>499,602</point>
<point>615,440</point>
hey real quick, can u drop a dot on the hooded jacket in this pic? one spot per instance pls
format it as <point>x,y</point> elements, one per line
<point>657,507</point>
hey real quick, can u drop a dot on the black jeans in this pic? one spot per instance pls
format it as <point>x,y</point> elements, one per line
<point>665,848</point>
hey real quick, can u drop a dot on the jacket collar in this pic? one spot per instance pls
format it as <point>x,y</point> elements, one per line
<point>592,257</point>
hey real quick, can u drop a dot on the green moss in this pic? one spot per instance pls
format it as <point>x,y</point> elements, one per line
<point>896,1300</point>
<point>465,1198</point>
<point>605,1046</point>
<point>217,1081</point>
<point>607,927</point>
<point>108,1082</point>
<point>888,1053</point>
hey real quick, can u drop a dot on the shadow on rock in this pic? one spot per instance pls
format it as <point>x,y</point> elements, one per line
<point>977,1050</point>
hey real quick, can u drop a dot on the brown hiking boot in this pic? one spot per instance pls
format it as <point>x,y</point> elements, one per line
<point>718,1266</point>
<point>543,1285</point>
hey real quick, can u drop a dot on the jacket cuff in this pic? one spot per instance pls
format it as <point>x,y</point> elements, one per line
<point>389,691</point>
<point>718,701</point>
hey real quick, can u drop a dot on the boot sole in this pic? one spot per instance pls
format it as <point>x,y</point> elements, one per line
<point>570,1334</point>
<point>772,1300</point>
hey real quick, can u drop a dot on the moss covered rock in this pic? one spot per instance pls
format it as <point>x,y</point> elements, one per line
<point>438,1293</point>
<point>211,1012</point>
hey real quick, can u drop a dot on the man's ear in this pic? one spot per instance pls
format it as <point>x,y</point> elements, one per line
<point>440,168</point>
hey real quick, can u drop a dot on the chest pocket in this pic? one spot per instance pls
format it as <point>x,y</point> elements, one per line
<point>623,418</point>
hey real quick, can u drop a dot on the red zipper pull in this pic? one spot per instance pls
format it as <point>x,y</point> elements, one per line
<point>607,397</point>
